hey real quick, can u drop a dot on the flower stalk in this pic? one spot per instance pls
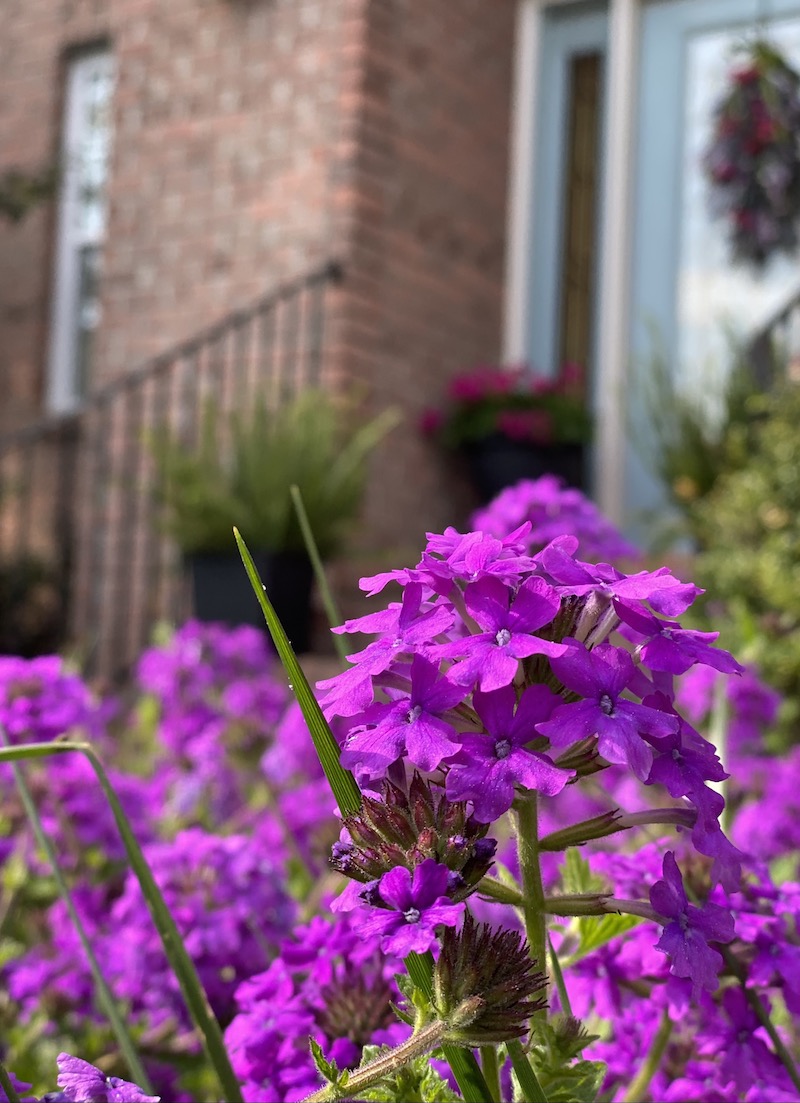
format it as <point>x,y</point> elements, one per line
<point>421,1042</point>
<point>533,898</point>
<point>641,1082</point>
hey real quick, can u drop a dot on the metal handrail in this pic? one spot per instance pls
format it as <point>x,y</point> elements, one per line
<point>79,489</point>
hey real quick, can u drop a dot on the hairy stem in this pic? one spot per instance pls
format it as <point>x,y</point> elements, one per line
<point>502,893</point>
<point>641,1082</point>
<point>533,903</point>
<point>427,1039</point>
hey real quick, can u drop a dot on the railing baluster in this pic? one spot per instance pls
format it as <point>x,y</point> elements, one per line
<point>92,477</point>
<point>96,530</point>
<point>68,445</point>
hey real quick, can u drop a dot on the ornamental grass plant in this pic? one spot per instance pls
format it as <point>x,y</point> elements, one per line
<point>241,469</point>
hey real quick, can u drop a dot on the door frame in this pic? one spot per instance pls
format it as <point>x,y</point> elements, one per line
<point>615,225</point>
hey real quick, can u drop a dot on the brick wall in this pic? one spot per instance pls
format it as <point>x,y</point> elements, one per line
<point>426,223</point>
<point>225,114</point>
<point>254,139</point>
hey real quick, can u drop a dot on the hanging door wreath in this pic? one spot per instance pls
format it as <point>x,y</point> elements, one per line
<point>753,160</point>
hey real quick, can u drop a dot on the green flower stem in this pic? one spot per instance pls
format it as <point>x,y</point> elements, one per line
<point>328,601</point>
<point>558,976</point>
<point>578,904</point>
<point>424,1041</point>
<point>533,904</point>
<point>174,947</point>
<point>497,890</point>
<point>7,1086</point>
<point>631,907</point>
<point>761,1013</point>
<point>637,1091</point>
<point>611,823</point>
<point>491,1072</point>
<point>104,994</point>
<point>526,1078</point>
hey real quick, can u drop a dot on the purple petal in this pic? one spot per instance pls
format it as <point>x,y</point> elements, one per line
<point>395,888</point>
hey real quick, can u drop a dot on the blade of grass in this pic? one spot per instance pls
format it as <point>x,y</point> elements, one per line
<point>762,1014</point>
<point>331,610</point>
<point>342,782</point>
<point>526,1078</point>
<point>420,967</point>
<point>104,994</point>
<point>182,965</point>
<point>638,1088</point>
<point>558,976</point>
<point>7,1086</point>
<point>462,1062</point>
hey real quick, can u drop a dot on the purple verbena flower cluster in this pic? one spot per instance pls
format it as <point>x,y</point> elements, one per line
<point>553,509</point>
<point>508,676</point>
<point>496,670</point>
<point>81,1082</point>
<point>332,983</point>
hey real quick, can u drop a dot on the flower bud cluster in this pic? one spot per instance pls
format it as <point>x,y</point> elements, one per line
<point>405,829</point>
<point>500,672</point>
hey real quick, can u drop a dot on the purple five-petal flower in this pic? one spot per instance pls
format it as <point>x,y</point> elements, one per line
<point>411,725</point>
<point>490,659</point>
<point>488,767</point>
<point>600,677</point>
<point>418,905</point>
<point>688,930</point>
<point>83,1083</point>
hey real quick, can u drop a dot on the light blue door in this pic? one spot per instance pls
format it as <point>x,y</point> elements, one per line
<point>568,32</point>
<point>685,288</point>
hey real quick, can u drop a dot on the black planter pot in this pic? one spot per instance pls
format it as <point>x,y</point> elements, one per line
<point>497,461</point>
<point>221,591</point>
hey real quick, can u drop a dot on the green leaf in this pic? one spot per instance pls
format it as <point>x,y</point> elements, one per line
<point>532,1091</point>
<point>341,781</point>
<point>180,962</point>
<point>562,1079</point>
<point>595,931</point>
<point>331,610</point>
<point>328,1070</point>
<point>580,1083</point>
<point>577,876</point>
<point>7,1086</point>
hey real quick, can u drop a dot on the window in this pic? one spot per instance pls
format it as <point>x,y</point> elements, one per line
<point>85,150</point>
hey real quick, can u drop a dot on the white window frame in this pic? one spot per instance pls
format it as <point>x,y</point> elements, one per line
<point>615,227</point>
<point>73,234</point>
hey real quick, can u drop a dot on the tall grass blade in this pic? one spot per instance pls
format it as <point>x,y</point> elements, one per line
<point>526,1078</point>
<point>182,965</point>
<point>342,782</point>
<point>104,994</point>
<point>331,610</point>
<point>465,1068</point>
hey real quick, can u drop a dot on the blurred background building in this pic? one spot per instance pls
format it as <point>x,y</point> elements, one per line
<point>378,192</point>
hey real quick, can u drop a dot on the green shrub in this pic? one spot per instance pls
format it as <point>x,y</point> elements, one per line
<point>244,464</point>
<point>749,528</point>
